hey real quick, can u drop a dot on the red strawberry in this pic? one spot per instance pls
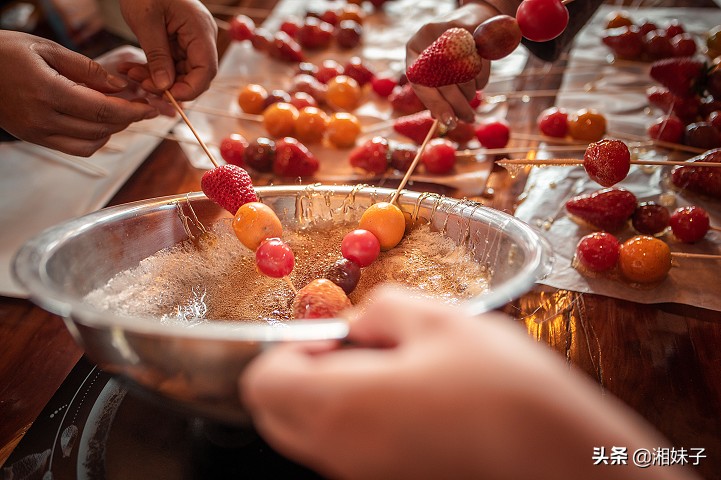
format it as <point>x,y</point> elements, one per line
<point>439,157</point>
<point>229,186</point>
<point>608,209</point>
<point>681,75</point>
<point>415,126</point>
<point>705,180</point>
<point>451,59</point>
<point>321,298</point>
<point>463,133</point>
<point>293,159</point>
<point>372,156</point>
<point>607,162</point>
<point>405,101</point>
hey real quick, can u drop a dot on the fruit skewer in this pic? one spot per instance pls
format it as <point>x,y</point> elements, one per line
<point>578,161</point>
<point>623,136</point>
<point>415,161</point>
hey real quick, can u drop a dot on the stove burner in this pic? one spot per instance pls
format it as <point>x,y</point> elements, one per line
<point>94,428</point>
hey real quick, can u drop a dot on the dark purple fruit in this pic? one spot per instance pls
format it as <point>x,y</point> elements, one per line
<point>345,274</point>
<point>260,155</point>
<point>650,218</point>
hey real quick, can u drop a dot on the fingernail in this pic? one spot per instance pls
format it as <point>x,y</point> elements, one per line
<point>449,121</point>
<point>117,82</point>
<point>161,79</point>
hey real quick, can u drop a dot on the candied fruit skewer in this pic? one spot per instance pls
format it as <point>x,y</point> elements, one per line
<point>579,161</point>
<point>414,163</point>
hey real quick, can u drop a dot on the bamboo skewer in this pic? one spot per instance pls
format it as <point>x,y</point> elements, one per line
<point>717,229</point>
<point>708,256</point>
<point>577,161</point>
<point>417,158</point>
<point>170,97</point>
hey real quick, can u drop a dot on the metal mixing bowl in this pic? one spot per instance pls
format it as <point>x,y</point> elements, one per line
<point>197,368</point>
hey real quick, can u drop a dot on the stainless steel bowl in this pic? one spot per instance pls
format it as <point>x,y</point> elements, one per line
<point>197,368</point>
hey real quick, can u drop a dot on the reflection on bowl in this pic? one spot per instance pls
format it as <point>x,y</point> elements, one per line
<point>198,367</point>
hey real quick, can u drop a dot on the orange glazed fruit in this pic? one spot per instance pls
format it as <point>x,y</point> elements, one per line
<point>252,99</point>
<point>279,119</point>
<point>587,124</point>
<point>343,93</point>
<point>343,129</point>
<point>311,125</point>
<point>255,222</point>
<point>644,259</point>
<point>386,222</point>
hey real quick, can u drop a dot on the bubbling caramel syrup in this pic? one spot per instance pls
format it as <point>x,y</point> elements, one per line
<point>217,278</point>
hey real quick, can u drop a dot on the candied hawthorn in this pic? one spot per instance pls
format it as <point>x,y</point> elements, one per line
<point>361,247</point>
<point>690,224</point>
<point>644,259</point>
<point>274,258</point>
<point>542,20</point>
<point>598,251</point>
<point>650,218</point>
<point>607,162</point>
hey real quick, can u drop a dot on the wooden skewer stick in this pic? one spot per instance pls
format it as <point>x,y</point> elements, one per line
<point>171,98</point>
<point>708,256</point>
<point>502,151</point>
<point>417,158</point>
<point>577,161</point>
<point>223,113</point>
<point>717,229</point>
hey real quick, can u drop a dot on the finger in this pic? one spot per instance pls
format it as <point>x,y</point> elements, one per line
<point>437,104</point>
<point>84,103</point>
<point>81,69</point>
<point>468,89</point>
<point>58,123</point>
<point>483,76</point>
<point>458,102</point>
<point>200,64</point>
<point>155,44</point>
<point>73,146</point>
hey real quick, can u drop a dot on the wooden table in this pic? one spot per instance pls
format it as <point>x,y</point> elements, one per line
<point>663,360</point>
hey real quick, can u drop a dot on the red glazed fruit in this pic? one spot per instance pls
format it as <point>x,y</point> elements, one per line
<point>657,45</point>
<point>667,129</point>
<point>689,224</point>
<point>402,156</point>
<point>232,149</point>
<point>345,274</point>
<point>327,70</point>
<point>625,42</point>
<point>348,34</point>
<point>608,209</point>
<point>405,101</point>
<point>241,28</point>
<point>679,75</point>
<point>553,122</point>
<point>607,162</point>
<point>229,186</point>
<point>321,298</point>
<point>415,127</point>
<point>372,156</point>
<point>260,154</point>
<point>497,37</point>
<point>361,247</point>
<point>493,133</point>
<point>449,60</point>
<point>598,251</point>
<point>358,71</point>
<point>315,33</point>
<point>702,135</point>
<point>542,20</point>
<point>274,258</point>
<point>439,156</point>
<point>383,86</point>
<point>650,218</point>
<point>704,180</point>
<point>293,159</point>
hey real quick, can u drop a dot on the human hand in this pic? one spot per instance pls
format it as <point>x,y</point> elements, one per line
<point>450,102</point>
<point>431,392</point>
<point>60,99</point>
<point>179,40</point>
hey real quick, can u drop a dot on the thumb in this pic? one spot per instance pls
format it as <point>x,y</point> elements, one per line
<point>81,69</point>
<point>155,44</point>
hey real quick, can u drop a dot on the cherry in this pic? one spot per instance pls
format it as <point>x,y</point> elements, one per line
<point>291,26</point>
<point>242,28</point>
<point>260,154</point>
<point>232,149</point>
<point>348,34</point>
<point>674,28</point>
<point>657,45</point>
<point>493,133</point>
<point>553,122</point>
<point>328,69</point>
<point>650,218</point>
<point>598,251</point>
<point>315,33</point>
<point>261,40</point>
<point>274,258</point>
<point>344,273</point>
<point>497,37</point>
<point>625,42</point>
<point>439,157</point>
<point>542,20</point>
<point>646,27</point>
<point>402,156</point>
<point>702,135</point>
<point>358,71</point>
<point>361,247</point>
<point>667,129</point>
<point>689,224</point>
<point>301,100</point>
<point>607,162</point>
<point>683,45</point>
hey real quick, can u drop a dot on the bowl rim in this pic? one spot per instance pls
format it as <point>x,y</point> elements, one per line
<point>28,268</point>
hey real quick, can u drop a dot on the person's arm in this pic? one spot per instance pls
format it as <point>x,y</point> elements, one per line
<point>179,40</point>
<point>430,392</point>
<point>57,98</point>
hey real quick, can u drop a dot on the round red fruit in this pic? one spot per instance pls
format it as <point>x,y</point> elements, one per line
<point>690,224</point>
<point>383,86</point>
<point>232,149</point>
<point>598,251</point>
<point>315,33</point>
<point>683,45</point>
<point>667,129</point>
<point>607,162</point>
<point>274,258</point>
<point>702,135</point>
<point>650,218</point>
<point>358,71</point>
<point>360,246</point>
<point>542,20</point>
<point>553,122</point>
<point>241,28</point>
<point>372,156</point>
<point>402,156</point>
<point>493,133</point>
<point>439,157</point>
<point>328,69</point>
<point>348,34</point>
<point>497,37</point>
<point>291,26</point>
